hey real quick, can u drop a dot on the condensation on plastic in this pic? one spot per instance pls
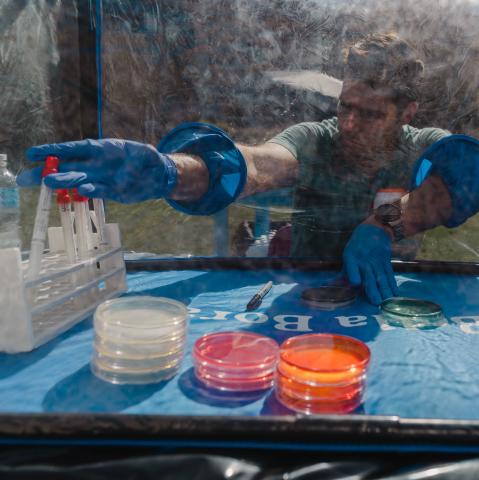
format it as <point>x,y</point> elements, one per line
<point>40,84</point>
<point>243,65</point>
<point>247,65</point>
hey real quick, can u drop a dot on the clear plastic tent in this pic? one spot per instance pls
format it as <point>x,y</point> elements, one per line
<point>137,69</point>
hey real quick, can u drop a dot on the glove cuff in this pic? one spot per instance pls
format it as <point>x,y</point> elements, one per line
<point>171,175</point>
<point>225,163</point>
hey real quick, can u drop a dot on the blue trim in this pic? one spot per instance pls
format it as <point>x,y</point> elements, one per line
<point>299,447</point>
<point>99,72</point>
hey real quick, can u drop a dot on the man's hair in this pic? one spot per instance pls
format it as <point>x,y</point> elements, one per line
<point>386,60</point>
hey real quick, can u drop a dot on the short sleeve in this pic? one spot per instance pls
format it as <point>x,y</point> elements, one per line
<point>305,136</point>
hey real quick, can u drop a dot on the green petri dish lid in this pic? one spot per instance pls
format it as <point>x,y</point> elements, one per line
<point>411,307</point>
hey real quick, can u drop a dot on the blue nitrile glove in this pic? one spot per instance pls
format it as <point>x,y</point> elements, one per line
<point>119,170</point>
<point>367,261</point>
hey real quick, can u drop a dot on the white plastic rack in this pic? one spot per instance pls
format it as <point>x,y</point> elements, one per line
<point>33,312</point>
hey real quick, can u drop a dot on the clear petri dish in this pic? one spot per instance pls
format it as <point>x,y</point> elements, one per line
<point>235,361</point>
<point>412,313</point>
<point>139,339</point>
<point>329,297</point>
<point>140,318</point>
<point>134,376</point>
<point>140,365</point>
<point>139,349</point>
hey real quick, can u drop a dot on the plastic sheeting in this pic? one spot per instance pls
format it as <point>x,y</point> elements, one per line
<point>29,464</point>
<point>246,65</point>
<point>251,67</point>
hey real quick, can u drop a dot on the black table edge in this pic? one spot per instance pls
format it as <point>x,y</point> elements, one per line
<point>274,263</point>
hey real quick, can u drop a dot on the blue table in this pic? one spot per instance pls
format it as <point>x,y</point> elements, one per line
<point>413,374</point>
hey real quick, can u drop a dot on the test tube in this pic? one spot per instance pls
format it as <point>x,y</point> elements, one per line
<point>99,209</point>
<point>64,205</point>
<point>82,224</point>
<point>84,244</point>
<point>41,219</point>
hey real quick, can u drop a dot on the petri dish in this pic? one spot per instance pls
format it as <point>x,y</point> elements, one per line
<point>308,392</point>
<point>140,318</point>
<point>140,349</point>
<point>323,358</point>
<point>412,313</point>
<point>135,364</point>
<point>135,351</point>
<point>234,384</point>
<point>319,373</point>
<point>139,339</point>
<point>235,361</point>
<point>329,297</point>
<point>316,406</point>
<point>139,376</point>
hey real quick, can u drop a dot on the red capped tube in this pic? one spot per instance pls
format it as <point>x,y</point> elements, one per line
<point>77,197</point>
<point>63,196</point>
<point>51,165</point>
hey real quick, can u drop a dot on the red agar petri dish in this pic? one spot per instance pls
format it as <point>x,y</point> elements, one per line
<point>322,373</point>
<point>235,361</point>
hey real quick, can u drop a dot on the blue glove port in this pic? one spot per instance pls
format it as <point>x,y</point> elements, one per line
<point>226,165</point>
<point>455,159</point>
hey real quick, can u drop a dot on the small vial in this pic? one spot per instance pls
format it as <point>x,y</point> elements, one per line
<point>99,208</point>
<point>82,224</point>
<point>84,245</point>
<point>64,205</point>
<point>41,219</point>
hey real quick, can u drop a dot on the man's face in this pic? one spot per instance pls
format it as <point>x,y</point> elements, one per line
<point>369,121</point>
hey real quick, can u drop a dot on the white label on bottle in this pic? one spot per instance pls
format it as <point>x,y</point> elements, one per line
<point>9,197</point>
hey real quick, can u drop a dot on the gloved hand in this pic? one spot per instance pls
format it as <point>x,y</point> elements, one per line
<point>367,261</point>
<point>119,170</point>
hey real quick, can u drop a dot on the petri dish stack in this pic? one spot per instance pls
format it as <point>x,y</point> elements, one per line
<point>139,339</point>
<point>235,361</point>
<point>412,313</point>
<point>321,373</point>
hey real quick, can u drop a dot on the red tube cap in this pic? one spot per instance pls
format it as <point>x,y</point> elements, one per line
<point>51,165</point>
<point>63,196</point>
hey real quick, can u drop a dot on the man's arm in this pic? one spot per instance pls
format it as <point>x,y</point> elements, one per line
<point>367,256</point>
<point>426,207</point>
<point>269,166</point>
<point>196,167</point>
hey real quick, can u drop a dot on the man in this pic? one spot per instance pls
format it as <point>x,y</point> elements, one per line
<point>336,166</point>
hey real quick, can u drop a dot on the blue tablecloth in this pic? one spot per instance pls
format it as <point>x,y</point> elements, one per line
<point>413,373</point>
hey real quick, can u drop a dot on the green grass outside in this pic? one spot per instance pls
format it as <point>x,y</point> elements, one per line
<point>156,227</point>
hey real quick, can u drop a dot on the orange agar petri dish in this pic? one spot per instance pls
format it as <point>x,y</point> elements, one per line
<point>235,361</point>
<point>322,373</point>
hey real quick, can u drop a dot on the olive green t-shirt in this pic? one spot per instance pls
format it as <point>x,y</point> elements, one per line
<point>332,196</point>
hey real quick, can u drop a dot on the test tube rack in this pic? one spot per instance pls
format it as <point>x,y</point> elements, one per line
<point>34,311</point>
